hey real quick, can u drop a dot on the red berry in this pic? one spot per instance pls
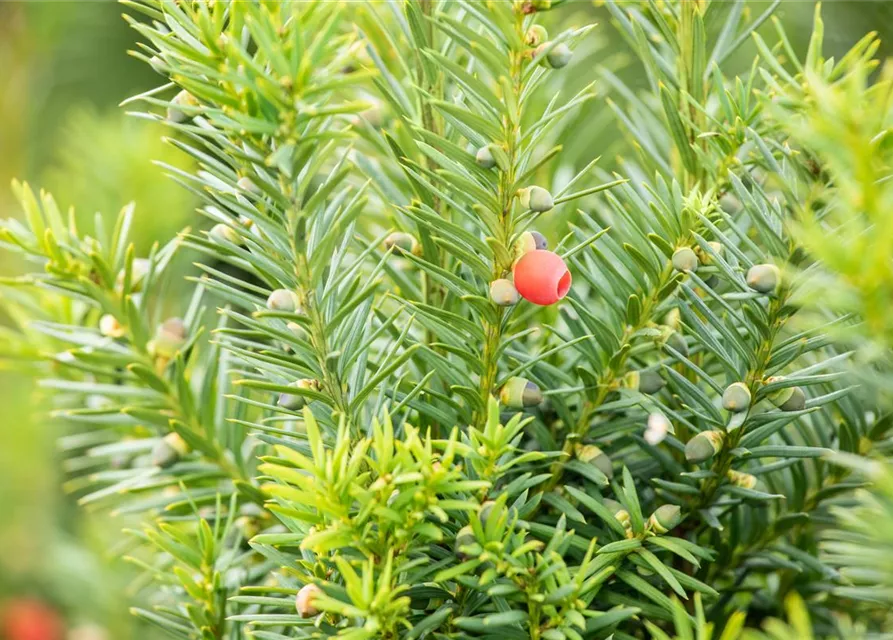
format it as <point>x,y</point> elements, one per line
<point>30,620</point>
<point>542,277</point>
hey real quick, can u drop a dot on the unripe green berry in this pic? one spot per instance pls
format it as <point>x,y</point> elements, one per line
<point>283,300</point>
<point>170,336</point>
<point>529,241</point>
<point>677,342</point>
<point>536,35</point>
<point>492,155</point>
<point>486,510</point>
<point>110,327</point>
<point>304,602</point>
<point>741,479</point>
<point>559,56</point>
<point>630,381</point>
<point>781,396</point>
<point>503,293</point>
<point>787,399</point>
<point>616,509</point>
<point>554,57</point>
<point>591,454</point>
<point>764,278</point>
<point>620,514</point>
<point>736,397</point>
<point>650,382</point>
<point>797,401</point>
<point>294,401</point>
<point>296,329</point>
<point>183,99</point>
<point>402,243</point>
<point>706,257</point>
<point>169,450</point>
<point>704,446</point>
<point>224,232</point>
<point>665,518</point>
<point>672,319</point>
<point>536,199</point>
<point>464,538</point>
<point>520,393</point>
<point>685,260</point>
<point>484,158</point>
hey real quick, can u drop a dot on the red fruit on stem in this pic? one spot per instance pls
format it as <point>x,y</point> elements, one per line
<point>542,277</point>
<point>25,619</point>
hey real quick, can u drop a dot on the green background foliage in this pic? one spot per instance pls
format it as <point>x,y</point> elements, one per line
<point>65,70</point>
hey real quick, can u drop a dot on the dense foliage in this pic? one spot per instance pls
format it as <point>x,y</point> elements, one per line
<point>404,420</point>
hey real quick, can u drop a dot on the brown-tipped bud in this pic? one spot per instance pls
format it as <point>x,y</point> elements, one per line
<point>520,393</point>
<point>650,382</point>
<point>796,402</point>
<point>532,6</point>
<point>536,199</point>
<point>685,260</point>
<point>536,35</point>
<point>764,278</point>
<point>304,602</point>
<point>591,454</point>
<point>294,401</point>
<point>169,338</point>
<point>225,233</point>
<point>503,293</point>
<point>176,112</point>
<point>704,446</point>
<point>169,450</point>
<point>665,518</point>
<point>403,243</point>
<point>110,327</point>
<point>736,397</point>
<point>283,300</point>
<point>741,479</point>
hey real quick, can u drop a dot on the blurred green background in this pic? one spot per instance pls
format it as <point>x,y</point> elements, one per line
<point>63,71</point>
